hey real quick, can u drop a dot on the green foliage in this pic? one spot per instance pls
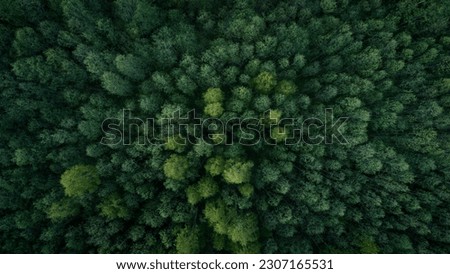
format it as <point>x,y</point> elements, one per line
<point>213,98</point>
<point>328,5</point>
<point>116,84</point>
<point>244,230</point>
<point>69,69</point>
<point>265,82</point>
<point>140,17</point>
<point>368,246</point>
<point>216,214</point>
<point>246,190</point>
<point>241,229</point>
<point>80,180</point>
<point>188,241</point>
<point>272,117</point>
<point>262,103</point>
<point>237,171</point>
<point>286,87</point>
<point>22,157</point>
<point>62,209</point>
<point>213,109</point>
<point>130,66</point>
<point>193,194</point>
<point>279,134</point>
<point>213,95</point>
<point>175,143</point>
<point>215,165</point>
<point>242,93</point>
<point>175,167</point>
<point>113,207</point>
<point>27,42</point>
<point>207,187</point>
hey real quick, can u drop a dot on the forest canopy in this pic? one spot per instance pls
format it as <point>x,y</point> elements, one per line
<point>67,65</point>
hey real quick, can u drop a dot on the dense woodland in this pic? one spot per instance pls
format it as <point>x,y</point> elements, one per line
<point>66,65</point>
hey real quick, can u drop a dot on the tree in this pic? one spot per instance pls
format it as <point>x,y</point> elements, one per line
<point>367,60</point>
<point>262,103</point>
<point>113,207</point>
<point>264,82</point>
<point>272,117</point>
<point>116,84</point>
<point>216,214</point>
<point>175,143</point>
<point>186,85</point>
<point>213,95</point>
<point>80,180</point>
<point>175,167</point>
<point>131,66</point>
<point>215,165</point>
<point>27,42</point>
<point>239,228</point>
<point>243,230</point>
<point>286,87</point>
<point>187,241</point>
<point>368,246</point>
<point>62,209</point>
<point>140,17</point>
<point>237,171</point>
<point>328,5</point>
<point>214,109</point>
<point>246,190</point>
<point>242,93</point>
<point>213,98</point>
<point>279,134</point>
<point>207,187</point>
<point>193,194</point>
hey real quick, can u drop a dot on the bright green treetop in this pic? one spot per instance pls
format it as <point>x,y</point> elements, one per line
<point>80,180</point>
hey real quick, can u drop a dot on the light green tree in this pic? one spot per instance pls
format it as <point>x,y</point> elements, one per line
<point>213,109</point>
<point>265,82</point>
<point>62,209</point>
<point>188,241</point>
<point>237,171</point>
<point>243,229</point>
<point>193,195</point>
<point>175,167</point>
<point>214,166</point>
<point>246,190</point>
<point>80,180</point>
<point>213,95</point>
<point>279,134</point>
<point>113,207</point>
<point>207,187</point>
<point>216,214</point>
<point>175,143</point>
<point>286,87</point>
